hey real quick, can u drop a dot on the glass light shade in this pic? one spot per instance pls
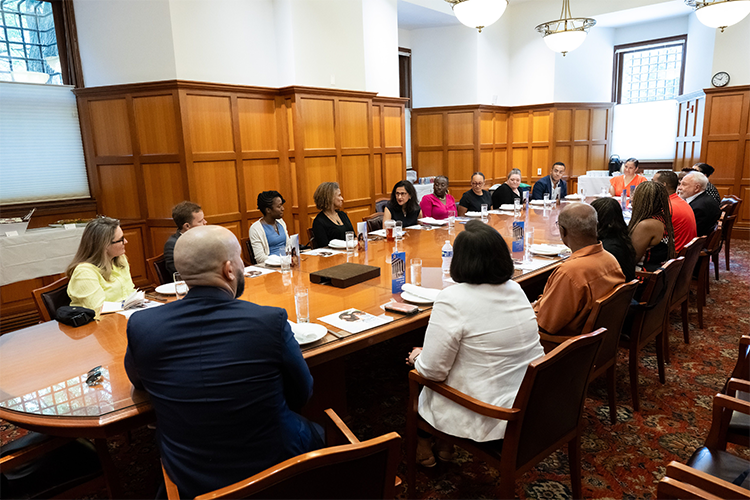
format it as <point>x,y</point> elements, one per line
<point>723,14</point>
<point>479,13</point>
<point>30,76</point>
<point>565,41</point>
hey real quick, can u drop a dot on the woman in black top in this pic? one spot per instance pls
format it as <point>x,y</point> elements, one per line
<point>508,192</point>
<point>331,223</point>
<point>613,233</point>
<point>403,205</point>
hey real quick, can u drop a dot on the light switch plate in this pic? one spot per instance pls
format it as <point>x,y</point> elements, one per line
<point>538,171</point>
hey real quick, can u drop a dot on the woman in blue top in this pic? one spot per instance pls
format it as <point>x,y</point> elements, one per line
<point>268,235</point>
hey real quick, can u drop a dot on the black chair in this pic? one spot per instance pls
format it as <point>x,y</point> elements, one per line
<point>311,239</point>
<point>381,203</point>
<point>48,299</point>
<point>247,252</point>
<point>157,268</point>
<point>374,221</point>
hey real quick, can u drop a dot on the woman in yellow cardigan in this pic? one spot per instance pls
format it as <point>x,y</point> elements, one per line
<point>100,271</point>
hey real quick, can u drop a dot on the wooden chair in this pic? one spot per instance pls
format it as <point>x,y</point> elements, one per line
<point>726,232</point>
<point>713,240</point>
<point>48,299</point>
<point>374,221</point>
<point>713,458</point>
<point>681,482</point>
<point>157,268</point>
<point>247,252</point>
<point>351,470</point>
<point>608,312</point>
<point>311,239</point>
<point>738,430</point>
<point>546,414</point>
<point>649,320</point>
<point>691,252</point>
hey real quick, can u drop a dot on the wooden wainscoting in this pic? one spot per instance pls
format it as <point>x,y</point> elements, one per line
<point>725,146</point>
<point>458,140</point>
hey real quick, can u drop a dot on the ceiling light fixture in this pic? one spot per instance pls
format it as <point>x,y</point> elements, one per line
<point>478,13</point>
<point>720,13</point>
<point>566,33</point>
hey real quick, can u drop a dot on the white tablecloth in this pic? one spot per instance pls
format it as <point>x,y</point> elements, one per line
<point>36,253</point>
<point>593,185</point>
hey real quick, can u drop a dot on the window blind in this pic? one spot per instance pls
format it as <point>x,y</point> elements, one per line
<point>41,152</point>
<point>646,130</point>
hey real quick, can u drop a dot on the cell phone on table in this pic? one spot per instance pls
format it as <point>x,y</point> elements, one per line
<point>402,308</point>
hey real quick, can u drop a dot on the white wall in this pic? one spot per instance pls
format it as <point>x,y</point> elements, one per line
<point>125,41</point>
<point>585,74</point>
<point>225,41</point>
<point>404,38</point>
<point>493,49</point>
<point>380,38</point>
<point>699,56</point>
<point>648,31</point>
<point>444,66</point>
<point>732,53</point>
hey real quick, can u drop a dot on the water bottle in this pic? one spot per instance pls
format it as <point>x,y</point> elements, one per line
<point>624,199</point>
<point>447,252</point>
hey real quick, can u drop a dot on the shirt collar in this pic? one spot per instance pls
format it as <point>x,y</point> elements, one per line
<point>690,200</point>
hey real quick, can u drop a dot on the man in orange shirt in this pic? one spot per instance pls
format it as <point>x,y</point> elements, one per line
<point>587,275</point>
<point>683,217</point>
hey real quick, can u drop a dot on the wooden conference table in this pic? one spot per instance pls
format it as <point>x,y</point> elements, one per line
<point>43,368</point>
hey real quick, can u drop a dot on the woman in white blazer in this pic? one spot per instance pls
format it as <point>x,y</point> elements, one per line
<point>268,235</point>
<point>481,337</point>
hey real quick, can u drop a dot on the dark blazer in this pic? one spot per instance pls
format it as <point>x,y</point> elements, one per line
<point>169,254</point>
<point>544,185</point>
<point>223,376</point>
<point>707,213</point>
<point>504,195</point>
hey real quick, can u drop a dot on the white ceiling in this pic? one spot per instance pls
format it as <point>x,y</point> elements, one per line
<point>416,14</point>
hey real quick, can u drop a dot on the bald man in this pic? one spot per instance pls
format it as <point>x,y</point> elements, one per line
<point>224,375</point>
<point>587,275</point>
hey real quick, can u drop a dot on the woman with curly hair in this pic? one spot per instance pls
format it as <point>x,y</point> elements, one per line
<point>331,223</point>
<point>650,226</point>
<point>404,205</point>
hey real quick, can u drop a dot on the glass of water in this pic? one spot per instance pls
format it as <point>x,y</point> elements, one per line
<point>351,242</point>
<point>286,261</point>
<point>180,287</point>
<point>546,200</point>
<point>302,304</point>
<point>399,229</point>
<point>451,218</point>
<point>528,241</point>
<point>416,272</point>
<point>517,207</point>
<point>485,210</point>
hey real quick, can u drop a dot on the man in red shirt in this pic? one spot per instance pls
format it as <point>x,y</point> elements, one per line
<point>683,217</point>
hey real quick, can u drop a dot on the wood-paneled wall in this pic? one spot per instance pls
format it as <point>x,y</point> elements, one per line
<point>458,140</point>
<point>691,110</point>
<point>725,146</point>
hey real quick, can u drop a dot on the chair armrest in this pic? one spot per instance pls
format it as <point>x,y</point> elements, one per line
<point>705,482</point>
<point>737,384</point>
<point>717,434</point>
<point>465,400</point>
<point>554,339</point>
<point>337,431</point>
<point>172,492</point>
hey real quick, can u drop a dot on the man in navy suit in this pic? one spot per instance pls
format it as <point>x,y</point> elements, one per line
<point>225,376</point>
<point>707,211</point>
<point>553,184</point>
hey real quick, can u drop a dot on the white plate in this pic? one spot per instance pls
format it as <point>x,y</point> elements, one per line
<point>414,299</point>
<point>166,289</point>
<point>307,333</point>
<point>473,214</point>
<point>547,249</point>
<point>340,244</point>
<point>539,202</point>
<point>272,261</point>
<point>574,197</point>
<point>600,195</point>
<point>507,206</point>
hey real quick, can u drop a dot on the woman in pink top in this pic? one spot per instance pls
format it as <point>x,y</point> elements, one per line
<point>440,204</point>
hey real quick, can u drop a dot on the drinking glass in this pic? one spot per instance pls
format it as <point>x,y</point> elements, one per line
<point>605,192</point>
<point>399,229</point>
<point>180,287</point>
<point>389,226</point>
<point>517,207</point>
<point>546,200</point>
<point>351,242</point>
<point>451,218</point>
<point>286,261</point>
<point>528,240</point>
<point>484,211</point>
<point>302,304</point>
<point>416,272</point>
<point>582,192</point>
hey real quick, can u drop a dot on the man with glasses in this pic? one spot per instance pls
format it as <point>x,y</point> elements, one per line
<point>474,198</point>
<point>186,215</point>
<point>225,376</point>
<point>587,275</point>
<point>552,184</point>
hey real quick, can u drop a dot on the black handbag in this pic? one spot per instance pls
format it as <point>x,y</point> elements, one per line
<point>75,316</point>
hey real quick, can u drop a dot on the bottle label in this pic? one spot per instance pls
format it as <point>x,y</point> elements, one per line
<point>447,253</point>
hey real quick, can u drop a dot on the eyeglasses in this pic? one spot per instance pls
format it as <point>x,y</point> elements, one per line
<point>477,183</point>
<point>121,240</point>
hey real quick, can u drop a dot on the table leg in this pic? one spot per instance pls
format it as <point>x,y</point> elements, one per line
<point>329,391</point>
<point>112,478</point>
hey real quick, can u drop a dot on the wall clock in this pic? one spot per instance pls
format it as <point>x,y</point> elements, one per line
<point>720,79</point>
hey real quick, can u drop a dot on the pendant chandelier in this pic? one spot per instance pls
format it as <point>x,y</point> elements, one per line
<point>566,33</point>
<point>478,13</point>
<point>720,13</point>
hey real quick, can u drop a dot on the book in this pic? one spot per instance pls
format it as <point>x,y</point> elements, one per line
<point>136,299</point>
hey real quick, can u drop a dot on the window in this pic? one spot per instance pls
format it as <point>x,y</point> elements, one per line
<point>28,43</point>
<point>649,71</point>
<point>404,74</point>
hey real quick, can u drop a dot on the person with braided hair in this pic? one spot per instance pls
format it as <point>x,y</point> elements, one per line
<point>650,226</point>
<point>268,235</point>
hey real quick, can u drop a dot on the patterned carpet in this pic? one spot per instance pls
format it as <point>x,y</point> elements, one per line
<point>621,461</point>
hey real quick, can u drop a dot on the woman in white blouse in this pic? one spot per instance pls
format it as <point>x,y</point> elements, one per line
<point>481,337</point>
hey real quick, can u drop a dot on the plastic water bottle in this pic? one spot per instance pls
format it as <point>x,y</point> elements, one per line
<point>447,252</point>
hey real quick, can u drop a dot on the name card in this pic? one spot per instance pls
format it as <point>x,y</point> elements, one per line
<point>11,233</point>
<point>69,226</point>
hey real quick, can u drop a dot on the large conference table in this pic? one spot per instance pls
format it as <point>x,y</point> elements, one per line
<point>43,368</point>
